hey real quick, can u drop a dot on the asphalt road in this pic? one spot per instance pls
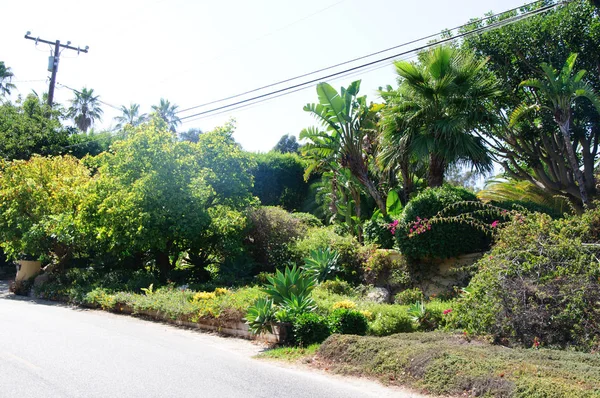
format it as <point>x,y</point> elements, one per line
<point>49,350</point>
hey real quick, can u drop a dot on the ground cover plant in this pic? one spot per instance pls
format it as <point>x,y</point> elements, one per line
<point>455,364</point>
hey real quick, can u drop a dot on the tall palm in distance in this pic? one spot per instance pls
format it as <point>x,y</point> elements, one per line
<point>556,92</point>
<point>167,112</point>
<point>438,107</point>
<point>85,109</point>
<point>6,76</point>
<point>130,116</point>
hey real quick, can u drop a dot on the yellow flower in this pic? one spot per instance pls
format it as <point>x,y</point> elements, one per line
<point>347,304</point>
<point>204,296</point>
<point>221,291</point>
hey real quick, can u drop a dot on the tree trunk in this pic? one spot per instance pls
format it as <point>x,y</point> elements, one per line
<point>164,264</point>
<point>356,198</point>
<point>565,130</point>
<point>437,168</point>
<point>366,181</point>
<point>407,181</point>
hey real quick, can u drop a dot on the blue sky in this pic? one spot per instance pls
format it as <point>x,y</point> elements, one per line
<point>192,52</point>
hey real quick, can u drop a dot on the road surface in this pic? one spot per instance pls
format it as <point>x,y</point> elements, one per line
<point>51,350</point>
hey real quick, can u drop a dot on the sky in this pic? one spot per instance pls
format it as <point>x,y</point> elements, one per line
<point>193,52</point>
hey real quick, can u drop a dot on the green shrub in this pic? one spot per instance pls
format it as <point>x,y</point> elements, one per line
<point>539,285</point>
<point>350,251</point>
<point>529,206</point>
<point>310,328</point>
<point>426,318</point>
<point>386,324</point>
<point>380,269</point>
<point>378,232</point>
<point>337,287</point>
<point>417,238</point>
<point>308,219</point>
<point>348,321</point>
<point>271,236</point>
<point>293,282</point>
<point>409,296</point>
<point>261,316</point>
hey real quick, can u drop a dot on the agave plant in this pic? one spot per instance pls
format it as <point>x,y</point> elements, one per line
<point>261,316</point>
<point>282,285</point>
<point>322,264</point>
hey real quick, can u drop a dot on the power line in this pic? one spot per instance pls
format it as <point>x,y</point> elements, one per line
<point>431,36</point>
<point>99,100</point>
<point>359,67</point>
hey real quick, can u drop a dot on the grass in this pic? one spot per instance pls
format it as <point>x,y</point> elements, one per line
<point>289,354</point>
<point>444,363</point>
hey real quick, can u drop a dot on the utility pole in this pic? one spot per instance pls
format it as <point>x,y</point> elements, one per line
<point>53,60</point>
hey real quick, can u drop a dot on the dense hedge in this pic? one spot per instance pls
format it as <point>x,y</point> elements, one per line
<point>417,238</point>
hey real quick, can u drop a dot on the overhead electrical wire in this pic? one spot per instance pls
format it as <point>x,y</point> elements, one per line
<point>387,58</point>
<point>431,36</point>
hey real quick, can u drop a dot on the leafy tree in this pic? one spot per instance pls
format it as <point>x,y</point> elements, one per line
<point>85,109</point>
<point>347,122</point>
<point>536,151</point>
<point>6,76</point>
<point>40,207</point>
<point>556,93</point>
<point>167,112</point>
<point>130,116</point>
<point>287,144</point>
<point>31,127</point>
<point>440,102</point>
<point>228,168</point>
<point>192,135</point>
<point>151,196</point>
<point>279,181</point>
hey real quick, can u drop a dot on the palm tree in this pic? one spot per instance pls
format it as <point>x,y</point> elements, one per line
<point>130,116</point>
<point>85,109</point>
<point>347,121</point>
<point>167,112</point>
<point>438,107</point>
<point>556,92</point>
<point>6,76</point>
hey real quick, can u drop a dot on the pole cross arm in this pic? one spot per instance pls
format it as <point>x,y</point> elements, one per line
<point>38,40</point>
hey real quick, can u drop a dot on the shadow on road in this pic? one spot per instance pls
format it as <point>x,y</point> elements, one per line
<point>6,295</point>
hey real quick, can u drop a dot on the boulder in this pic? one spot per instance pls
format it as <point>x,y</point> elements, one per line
<point>379,295</point>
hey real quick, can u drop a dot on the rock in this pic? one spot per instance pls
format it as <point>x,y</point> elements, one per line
<point>41,279</point>
<point>379,295</point>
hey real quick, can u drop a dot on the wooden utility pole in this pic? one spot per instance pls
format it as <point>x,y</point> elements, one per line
<point>53,62</point>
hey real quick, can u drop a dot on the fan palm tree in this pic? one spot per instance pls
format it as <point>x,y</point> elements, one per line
<point>556,92</point>
<point>437,108</point>
<point>130,116</point>
<point>85,109</point>
<point>6,76</point>
<point>167,112</point>
<point>346,120</point>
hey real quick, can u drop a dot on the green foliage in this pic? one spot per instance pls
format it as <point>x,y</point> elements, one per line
<point>409,296</point>
<point>322,264</point>
<point>307,219</point>
<point>377,232</point>
<point>417,238</point>
<point>287,144</point>
<point>40,206</point>
<point>85,109</point>
<point>348,321</point>
<point>285,285</point>
<point>447,364</point>
<point>271,235</point>
<point>381,269</point>
<point>337,287</point>
<point>151,196</point>
<point>386,324</point>
<point>279,180</point>
<point>31,127</point>
<point>426,318</point>
<point>350,252</point>
<point>310,328</point>
<point>539,283</point>
<point>261,316</point>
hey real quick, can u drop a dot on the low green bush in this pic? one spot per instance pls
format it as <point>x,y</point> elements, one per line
<point>417,238</point>
<point>337,287</point>
<point>409,296</point>
<point>308,219</point>
<point>351,257</point>
<point>348,321</point>
<point>538,286</point>
<point>382,269</point>
<point>310,328</point>
<point>386,324</point>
